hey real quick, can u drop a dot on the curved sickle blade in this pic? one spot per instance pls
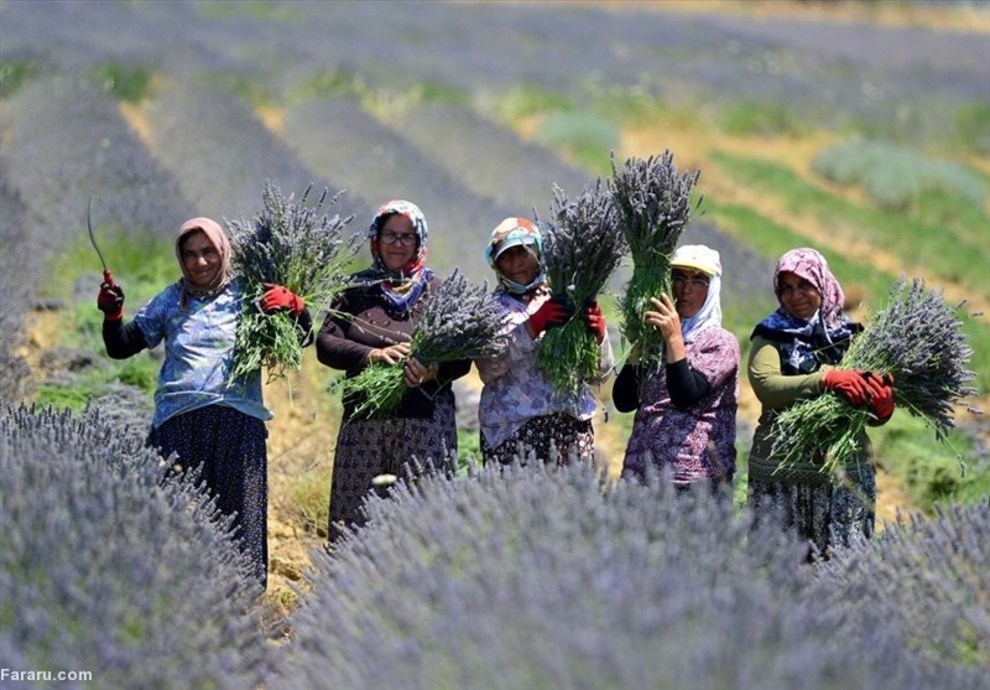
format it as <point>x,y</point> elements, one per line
<point>92,236</point>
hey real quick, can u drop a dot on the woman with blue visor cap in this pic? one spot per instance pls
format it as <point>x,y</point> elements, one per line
<point>520,410</point>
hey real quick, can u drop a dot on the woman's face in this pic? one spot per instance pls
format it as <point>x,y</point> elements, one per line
<point>518,264</point>
<point>799,297</point>
<point>397,242</point>
<point>690,291</point>
<point>200,258</point>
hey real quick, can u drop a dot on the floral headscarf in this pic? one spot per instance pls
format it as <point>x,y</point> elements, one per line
<point>824,338</point>
<point>808,264</point>
<point>698,257</point>
<point>401,288</point>
<point>516,232</point>
<point>218,238</point>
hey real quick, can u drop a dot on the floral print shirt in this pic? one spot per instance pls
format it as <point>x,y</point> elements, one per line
<point>697,443</point>
<point>199,353</point>
<point>515,389</point>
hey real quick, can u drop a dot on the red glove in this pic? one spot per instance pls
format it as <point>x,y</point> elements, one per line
<point>554,312</point>
<point>855,386</point>
<point>278,297</point>
<point>596,321</point>
<point>111,301</point>
<point>882,402</point>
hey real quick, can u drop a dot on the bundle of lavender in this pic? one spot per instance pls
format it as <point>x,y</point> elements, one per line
<point>654,206</point>
<point>299,247</point>
<point>459,321</point>
<point>918,339</point>
<point>583,246</point>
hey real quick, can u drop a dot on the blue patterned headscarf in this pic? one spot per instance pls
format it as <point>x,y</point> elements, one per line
<point>805,345</point>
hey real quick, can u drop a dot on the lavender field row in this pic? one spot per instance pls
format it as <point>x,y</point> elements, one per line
<point>507,578</point>
<point>832,69</point>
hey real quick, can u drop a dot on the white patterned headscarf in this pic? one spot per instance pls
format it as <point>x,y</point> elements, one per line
<point>698,257</point>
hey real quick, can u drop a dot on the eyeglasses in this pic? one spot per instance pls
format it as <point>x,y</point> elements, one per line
<point>407,239</point>
<point>697,283</point>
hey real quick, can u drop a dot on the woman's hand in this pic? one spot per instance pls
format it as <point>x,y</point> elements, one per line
<point>278,297</point>
<point>393,354</point>
<point>857,387</point>
<point>882,402</point>
<point>551,314</point>
<point>595,321</point>
<point>418,373</point>
<point>111,301</point>
<point>666,320</point>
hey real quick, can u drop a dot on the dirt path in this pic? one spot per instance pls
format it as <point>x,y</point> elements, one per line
<point>300,463</point>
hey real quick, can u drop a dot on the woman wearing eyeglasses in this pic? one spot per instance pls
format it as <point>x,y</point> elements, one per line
<point>372,322</point>
<point>793,354</point>
<point>685,423</point>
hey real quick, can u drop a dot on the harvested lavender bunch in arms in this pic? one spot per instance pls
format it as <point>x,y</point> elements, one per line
<point>654,206</point>
<point>460,321</point>
<point>917,339</point>
<point>583,247</point>
<point>296,246</point>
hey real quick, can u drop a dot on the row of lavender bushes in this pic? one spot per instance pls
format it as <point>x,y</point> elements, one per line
<point>848,74</point>
<point>106,567</point>
<point>527,577</point>
<point>518,577</point>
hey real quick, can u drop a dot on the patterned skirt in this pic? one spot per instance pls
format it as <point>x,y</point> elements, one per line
<point>404,448</point>
<point>827,516</point>
<point>557,437</point>
<point>229,448</point>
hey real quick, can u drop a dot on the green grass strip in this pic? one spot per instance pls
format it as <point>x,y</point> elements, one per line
<point>955,256</point>
<point>771,239</point>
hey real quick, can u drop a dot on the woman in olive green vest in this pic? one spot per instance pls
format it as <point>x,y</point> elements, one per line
<point>793,355</point>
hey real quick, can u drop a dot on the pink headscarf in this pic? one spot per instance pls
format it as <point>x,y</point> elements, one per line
<point>808,264</point>
<point>218,238</point>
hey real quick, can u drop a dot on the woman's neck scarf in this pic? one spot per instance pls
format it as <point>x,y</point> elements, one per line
<point>218,238</point>
<point>805,345</point>
<point>402,288</point>
<point>708,261</point>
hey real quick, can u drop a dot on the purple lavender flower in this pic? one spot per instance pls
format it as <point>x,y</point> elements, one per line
<point>583,247</point>
<point>297,246</point>
<point>929,577</point>
<point>533,576</point>
<point>461,320</point>
<point>654,204</point>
